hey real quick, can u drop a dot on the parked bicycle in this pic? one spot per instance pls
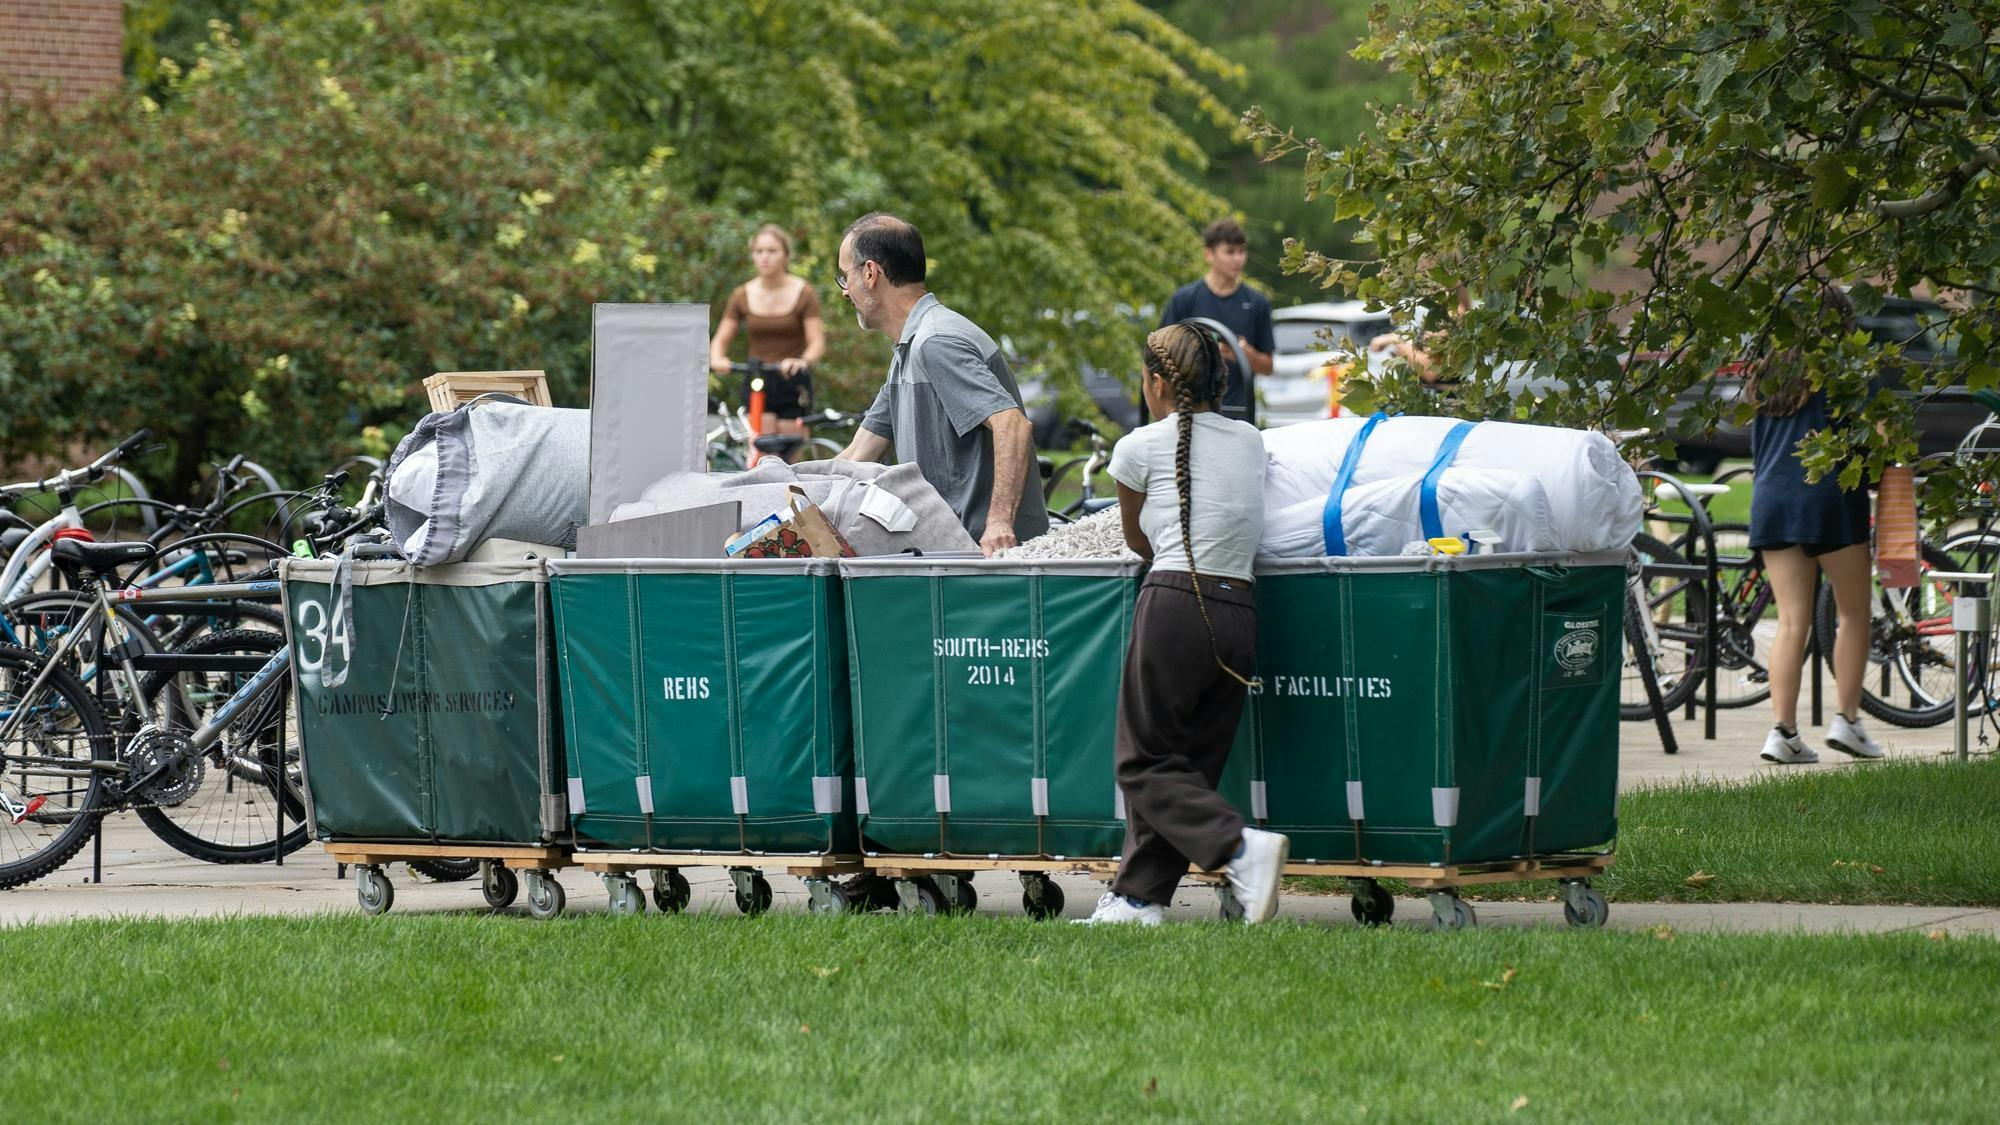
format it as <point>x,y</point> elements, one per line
<point>200,744</point>
<point>1090,466</point>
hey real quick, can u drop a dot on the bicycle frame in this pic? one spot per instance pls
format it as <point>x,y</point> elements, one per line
<point>104,601</point>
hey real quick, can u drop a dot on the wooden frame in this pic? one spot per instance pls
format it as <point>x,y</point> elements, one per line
<point>449,390</point>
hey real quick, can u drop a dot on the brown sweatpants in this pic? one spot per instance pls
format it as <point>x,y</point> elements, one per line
<point>1177,716</point>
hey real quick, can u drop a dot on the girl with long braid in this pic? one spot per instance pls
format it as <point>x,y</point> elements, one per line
<point>1196,509</point>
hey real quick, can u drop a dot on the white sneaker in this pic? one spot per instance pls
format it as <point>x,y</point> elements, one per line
<point>1116,909</point>
<point>1254,875</point>
<point>1786,751</point>
<point>1849,738</point>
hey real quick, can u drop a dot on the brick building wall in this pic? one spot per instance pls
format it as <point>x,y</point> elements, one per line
<point>73,47</point>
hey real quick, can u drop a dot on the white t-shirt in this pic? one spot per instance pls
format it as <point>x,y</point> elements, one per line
<point>1225,480</point>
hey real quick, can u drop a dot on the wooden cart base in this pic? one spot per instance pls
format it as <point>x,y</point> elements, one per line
<point>932,884</point>
<point>498,883</point>
<point>671,891</point>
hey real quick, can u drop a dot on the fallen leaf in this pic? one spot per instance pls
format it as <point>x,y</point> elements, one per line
<point>556,1058</point>
<point>1876,869</point>
<point>825,972</point>
<point>1645,1017</point>
<point>1508,976</point>
<point>236,1094</point>
<point>804,1030</point>
<point>222,1063</point>
<point>1152,1087</point>
<point>1519,1104</point>
<point>1664,932</point>
<point>1699,879</point>
<point>1937,935</point>
<point>1479,1043</point>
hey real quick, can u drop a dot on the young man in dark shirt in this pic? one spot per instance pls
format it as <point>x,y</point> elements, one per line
<point>1221,295</point>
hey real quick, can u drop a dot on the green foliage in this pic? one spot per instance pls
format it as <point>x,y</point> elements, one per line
<point>1028,139</point>
<point>1732,154</point>
<point>1297,64</point>
<point>271,262</point>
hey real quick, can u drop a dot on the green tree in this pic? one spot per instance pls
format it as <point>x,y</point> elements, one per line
<point>271,261</point>
<point>1297,64</point>
<point>1031,140</point>
<point>1736,153</point>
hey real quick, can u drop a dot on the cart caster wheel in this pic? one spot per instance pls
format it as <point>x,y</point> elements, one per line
<point>753,891</point>
<point>671,892</point>
<point>1584,907</point>
<point>545,896</point>
<point>918,896</point>
<point>824,896</point>
<point>626,898</point>
<point>1372,905</point>
<point>373,889</point>
<point>1041,898</point>
<point>499,885</point>
<point>957,892</point>
<point>1453,912</point>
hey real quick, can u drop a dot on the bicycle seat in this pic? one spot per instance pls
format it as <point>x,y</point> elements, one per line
<point>1047,466</point>
<point>1093,506</point>
<point>11,539</point>
<point>779,444</point>
<point>101,558</point>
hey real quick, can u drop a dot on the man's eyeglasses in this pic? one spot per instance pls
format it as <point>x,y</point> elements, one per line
<point>840,279</point>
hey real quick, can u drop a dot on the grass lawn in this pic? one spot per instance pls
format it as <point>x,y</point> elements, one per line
<point>1926,833</point>
<point>468,1018</point>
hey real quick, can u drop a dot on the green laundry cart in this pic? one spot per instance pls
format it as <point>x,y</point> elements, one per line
<point>707,722</point>
<point>985,718</point>
<point>427,720</point>
<point>1436,719</point>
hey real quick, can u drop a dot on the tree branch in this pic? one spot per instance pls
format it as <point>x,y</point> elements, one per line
<point>1954,183</point>
<point>1897,93</point>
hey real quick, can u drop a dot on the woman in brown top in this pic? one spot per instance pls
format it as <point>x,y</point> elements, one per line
<point>780,314</point>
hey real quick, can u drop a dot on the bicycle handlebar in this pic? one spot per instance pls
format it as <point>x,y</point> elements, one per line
<point>69,478</point>
<point>762,367</point>
<point>831,417</point>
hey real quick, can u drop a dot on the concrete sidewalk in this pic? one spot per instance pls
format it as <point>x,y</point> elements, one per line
<point>144,877</point>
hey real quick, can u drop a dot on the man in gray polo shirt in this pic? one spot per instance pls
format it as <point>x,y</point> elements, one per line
<point>950,404</point>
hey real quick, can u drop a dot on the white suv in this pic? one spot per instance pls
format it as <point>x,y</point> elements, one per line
<point>1307,337</point>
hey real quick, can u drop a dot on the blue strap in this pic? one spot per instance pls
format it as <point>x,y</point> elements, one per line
<point>1427,497</point>
<point>1336,538</point>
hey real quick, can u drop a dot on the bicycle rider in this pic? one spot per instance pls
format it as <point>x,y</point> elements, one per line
<point>779,312</point>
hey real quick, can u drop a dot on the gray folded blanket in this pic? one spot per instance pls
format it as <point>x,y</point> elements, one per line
<point>839,488</point>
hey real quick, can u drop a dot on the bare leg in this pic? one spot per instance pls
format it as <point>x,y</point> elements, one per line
<point>1847,572</point>
<point>1791,575</point>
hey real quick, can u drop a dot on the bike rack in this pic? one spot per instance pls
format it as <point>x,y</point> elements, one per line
<point>1970,615</point>
<point>1708,573</point>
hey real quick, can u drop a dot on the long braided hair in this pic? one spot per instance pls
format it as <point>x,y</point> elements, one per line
<point>1191,364</point>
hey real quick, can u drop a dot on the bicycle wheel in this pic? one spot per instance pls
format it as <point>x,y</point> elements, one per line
<point>229,814</point>
<point>52,767</point>
<point>1677,615</point>
<point>1911,677</point>
<point>1747,618</point>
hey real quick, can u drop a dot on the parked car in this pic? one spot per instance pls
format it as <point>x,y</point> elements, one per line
<point>1942,418</point>
<point>1306,338</point>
